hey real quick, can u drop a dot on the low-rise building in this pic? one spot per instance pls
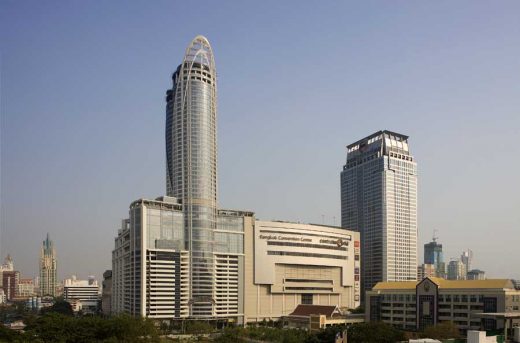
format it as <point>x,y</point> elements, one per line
<point>85,291</point>
<point>416,305</point>
<point>317,317</point>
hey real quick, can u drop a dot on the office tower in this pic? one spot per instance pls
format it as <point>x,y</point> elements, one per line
<point>191,164</point>
<point>467,259</point>
<point>48,277</point>
<point>456,270</point>
<point>433,255</point>
<point>379,199</point>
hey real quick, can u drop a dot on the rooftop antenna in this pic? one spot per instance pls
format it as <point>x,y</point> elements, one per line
<point>322,219</point>
<point>435,237</point>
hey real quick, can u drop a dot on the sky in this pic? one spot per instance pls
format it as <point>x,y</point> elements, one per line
<point>82,114</point>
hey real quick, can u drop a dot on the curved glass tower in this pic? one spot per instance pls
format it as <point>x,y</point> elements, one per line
<point>191,164</point>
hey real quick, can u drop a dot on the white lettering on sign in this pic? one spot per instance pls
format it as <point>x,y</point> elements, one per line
<point>285,238</point>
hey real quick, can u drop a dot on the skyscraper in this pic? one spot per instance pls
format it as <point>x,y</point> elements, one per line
<point>433,255</point>
<point>191,164</point>
<point>467,259</point>
<point>456,270</point>
<point>48,276</point>
<point>379,199</point>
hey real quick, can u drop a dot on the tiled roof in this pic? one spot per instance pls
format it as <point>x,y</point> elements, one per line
<point>447,284</point>
<point>307,310</point>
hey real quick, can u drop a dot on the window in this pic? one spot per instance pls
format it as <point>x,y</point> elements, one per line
<point>307,299</point>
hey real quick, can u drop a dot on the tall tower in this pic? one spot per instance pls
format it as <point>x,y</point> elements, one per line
<point>379,199</point>
<point>467,258</point>
<point>48,277</point>
<point>433,255</point>
<point>191,164</point>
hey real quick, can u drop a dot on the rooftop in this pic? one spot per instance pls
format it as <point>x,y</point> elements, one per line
<point>307,310</point>
<point>446,284</point>
<point>378,133</point>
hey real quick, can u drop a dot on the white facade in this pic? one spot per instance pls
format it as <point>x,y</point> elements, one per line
<point>85,291</point>
<point>379,199</point>
<point>288,264</point>
<point>152,244</point>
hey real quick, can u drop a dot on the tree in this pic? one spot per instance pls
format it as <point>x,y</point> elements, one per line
<point>443,330</point>
<point>55,327</point>
<point>374,332</point>
<point>60,306</point>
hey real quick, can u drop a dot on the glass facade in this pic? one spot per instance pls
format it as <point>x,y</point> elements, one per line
<point>191,164</point>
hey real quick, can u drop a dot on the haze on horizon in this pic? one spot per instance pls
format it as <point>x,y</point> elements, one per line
<point>82,111</point>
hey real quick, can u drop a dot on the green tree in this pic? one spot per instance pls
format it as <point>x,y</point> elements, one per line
<point>10,336</point>
<point>198,327</point>
<point>373,332</point>
<point>376,332</point>
<point>60,306</point>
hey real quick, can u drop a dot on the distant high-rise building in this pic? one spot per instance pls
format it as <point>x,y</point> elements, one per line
<point>106,293</point>
<point>8,266</point>
<point>10,281</point>
<point>433,255</point>
<point>379,199</point>
<point>48,269</point>
<point>467,259</point>
<point>456,270</point>
<point>191,164</point>
<point>476,274</point>
<point>425,270</point>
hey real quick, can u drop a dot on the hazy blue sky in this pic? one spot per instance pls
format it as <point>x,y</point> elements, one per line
<point>82,114</point>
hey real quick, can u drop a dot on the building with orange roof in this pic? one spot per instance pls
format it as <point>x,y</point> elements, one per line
<point>414,305</point>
